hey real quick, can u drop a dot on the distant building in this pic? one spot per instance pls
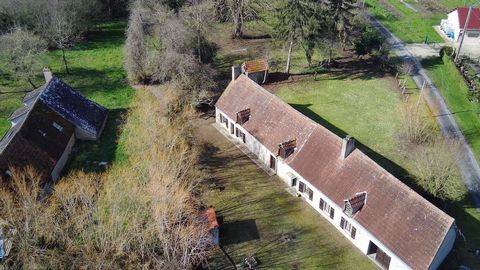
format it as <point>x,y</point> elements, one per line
<point>453,26</point>
<point>43,132</point>
<point>385,219</point>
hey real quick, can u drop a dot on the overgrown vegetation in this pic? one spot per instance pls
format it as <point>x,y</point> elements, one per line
<point>167,46</point>
<point>139,214</point>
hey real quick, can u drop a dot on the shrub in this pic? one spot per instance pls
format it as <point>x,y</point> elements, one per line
<point>437,169</point>
<point>446,50</point>
<point>416,128</point>
<point>370,40</point>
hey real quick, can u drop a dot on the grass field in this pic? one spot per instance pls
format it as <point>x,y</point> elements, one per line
<point>367,109</point>
<point>256,211</point>
<point>96,71</point>
<point>413,26</point>
<point>455,92</point>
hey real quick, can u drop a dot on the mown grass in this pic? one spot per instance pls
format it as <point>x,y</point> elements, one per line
<point>368,109</point>
<point>409,26</point>
<point>466,113</point>
<point>455,92</point>
<point>96,71</point>
<point>257,211</point>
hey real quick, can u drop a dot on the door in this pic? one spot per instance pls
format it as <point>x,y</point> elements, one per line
<point>273,163</point>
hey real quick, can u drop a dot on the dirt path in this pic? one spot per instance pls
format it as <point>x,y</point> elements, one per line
<point>467,163</point>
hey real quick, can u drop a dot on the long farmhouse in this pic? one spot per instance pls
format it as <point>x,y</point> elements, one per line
<point>385,219</point>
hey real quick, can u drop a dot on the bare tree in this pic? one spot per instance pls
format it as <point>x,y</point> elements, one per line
<point>22,51</point>
<point>416,127</point>
<point>135,45</point>
<point>198,16</point>
<point>437,170</point>
<point>240,11</point>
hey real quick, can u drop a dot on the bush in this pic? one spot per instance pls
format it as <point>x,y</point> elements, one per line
<point>370,40</point>
<point>446,50</point>
<point>437,169</point>
<point>416,128</point>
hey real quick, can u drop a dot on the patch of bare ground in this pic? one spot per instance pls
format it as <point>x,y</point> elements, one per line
<point>347,67</point>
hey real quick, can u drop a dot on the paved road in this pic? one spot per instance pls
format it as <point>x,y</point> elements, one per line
<point>467,163</point>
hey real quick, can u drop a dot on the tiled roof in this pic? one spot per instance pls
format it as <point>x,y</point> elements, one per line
<point>473,23</point>
<point>211,218</point>
<point>71,105</point>
<point>406,223</point>
<point>255,65</point>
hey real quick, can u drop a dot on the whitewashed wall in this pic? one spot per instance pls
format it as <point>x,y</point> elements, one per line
<point>454,23</point>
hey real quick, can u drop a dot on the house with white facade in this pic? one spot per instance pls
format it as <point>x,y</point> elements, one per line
<point>454,25</point>
<point>389,222</point>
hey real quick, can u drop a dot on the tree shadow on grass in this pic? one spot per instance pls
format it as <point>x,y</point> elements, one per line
<point>239,231</point>
<point>87,154</point>
<point>384,162</point>
<point>432,62</point>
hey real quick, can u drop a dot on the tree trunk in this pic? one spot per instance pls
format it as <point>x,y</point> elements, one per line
<point>199,48</point>
<point>65,61</point>
<point>289,57</point>
<point>238,18</point>
<point>31,83</point>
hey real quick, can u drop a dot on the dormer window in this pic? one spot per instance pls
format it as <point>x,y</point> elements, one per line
<point>354,204</point>
<point>287,148</point>
<point>243,116</point>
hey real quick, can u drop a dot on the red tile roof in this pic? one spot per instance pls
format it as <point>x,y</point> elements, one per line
<point>474,22</point>
<point>211,218</point>
<point>256,65</point>
<point>406,223</point>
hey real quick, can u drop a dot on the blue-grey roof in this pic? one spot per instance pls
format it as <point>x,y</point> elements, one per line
<point>71,105</point>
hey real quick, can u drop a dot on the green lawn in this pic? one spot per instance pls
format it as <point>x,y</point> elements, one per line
<point>411,26</point>
<point>257,211</point>
<point>367,109</point>
<point>96,70</point>
<point>455,92</point>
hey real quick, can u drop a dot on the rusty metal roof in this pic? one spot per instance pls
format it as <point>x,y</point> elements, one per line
<point>256,65</point>
<point>405,222</point>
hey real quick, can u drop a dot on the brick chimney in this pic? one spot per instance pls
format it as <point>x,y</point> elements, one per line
<point>348,145</point>
<point>236,71</point>
<point>47,73</point>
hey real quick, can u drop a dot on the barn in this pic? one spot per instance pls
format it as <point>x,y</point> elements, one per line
<point>389,222</point>
<point>44,130</point>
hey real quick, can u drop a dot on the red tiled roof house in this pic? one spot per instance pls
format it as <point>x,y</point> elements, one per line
<point>454,25</point>
<point>385,219</point>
